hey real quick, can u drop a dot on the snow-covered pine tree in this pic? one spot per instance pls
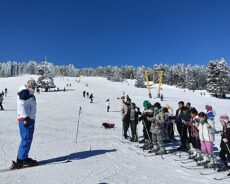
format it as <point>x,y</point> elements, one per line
<point>46,70</point>
<point>190,80</point>
<point>140,78</point>
<point>217,77</point>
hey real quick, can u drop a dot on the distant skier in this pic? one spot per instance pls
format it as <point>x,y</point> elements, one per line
<point>5,92</point>
<point>83,93</point>
<point>161,97</point>
<point>26,119</point>
<point>108,104</point>
<point>87,94</point>
<point>91,98</point>
<point>1,100</point>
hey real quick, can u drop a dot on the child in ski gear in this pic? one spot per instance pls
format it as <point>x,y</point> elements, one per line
<point>108,104</point>
<point>181,127</point>
<point>125,112</point>
<point>225,143</point>
<point>171,120</point>
<point>134,112</point>
<point>157,124</point>
<point>1,100</point>
<point>185,118</point>
<point>206,135</point>
<point>194,135</point>
<point>166,125</point>
<point>147,113</point>
<point>209,112</point>
<point>26,119</point>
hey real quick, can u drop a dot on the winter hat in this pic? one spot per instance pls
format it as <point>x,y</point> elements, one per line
<point>133,104</point>
<point>167,106</point>
<point>146,104</point>
<point>224,117</point>
<point>32,82</point>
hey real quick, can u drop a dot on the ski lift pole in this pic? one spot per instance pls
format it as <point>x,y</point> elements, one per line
<point>159,86</point>
<point>78,122</point>
<point>147,81</point>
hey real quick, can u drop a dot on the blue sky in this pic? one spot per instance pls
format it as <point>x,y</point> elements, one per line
<point>89,33</point>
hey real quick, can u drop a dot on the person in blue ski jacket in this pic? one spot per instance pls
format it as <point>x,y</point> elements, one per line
<point>26,108</point>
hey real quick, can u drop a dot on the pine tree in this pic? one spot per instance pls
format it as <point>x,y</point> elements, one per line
<point>140,78</point>
<point>46,70</point>
<point>217,77</point>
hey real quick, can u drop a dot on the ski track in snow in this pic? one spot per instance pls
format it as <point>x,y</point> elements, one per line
<point>98,156</point>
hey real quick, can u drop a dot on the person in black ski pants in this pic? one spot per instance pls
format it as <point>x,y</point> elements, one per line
<point>134,113</point>
<point>1,100</point>
<point>181,128</point>
<point>125,111</point>
<point>225,143</point>
<point>147,113</point>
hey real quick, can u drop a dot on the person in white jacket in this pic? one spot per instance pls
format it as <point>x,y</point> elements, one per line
<point>26,107</point>
<point>206,136</point>
<point>108,104</point>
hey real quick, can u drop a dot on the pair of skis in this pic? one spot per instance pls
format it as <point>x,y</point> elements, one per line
<point>40,163</point>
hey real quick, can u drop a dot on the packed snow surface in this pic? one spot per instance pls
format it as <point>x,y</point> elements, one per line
<point>98,155</point>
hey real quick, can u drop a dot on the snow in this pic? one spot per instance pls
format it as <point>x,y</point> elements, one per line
<point>98,156</point>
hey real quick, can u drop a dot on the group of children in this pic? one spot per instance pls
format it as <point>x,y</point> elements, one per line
<point>196,131</point>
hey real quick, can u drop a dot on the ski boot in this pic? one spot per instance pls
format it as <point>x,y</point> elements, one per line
<point>141,141</point>
<point>161,151</point>
<point>212,164</point>
<point>154,149</point>
<point>203,162</point>
<point>198,157</point>
<point>30,162</point>
<point>222,167</point>
<point>17,164</point>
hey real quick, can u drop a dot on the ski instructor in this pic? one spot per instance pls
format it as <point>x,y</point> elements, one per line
<point>26,106</point>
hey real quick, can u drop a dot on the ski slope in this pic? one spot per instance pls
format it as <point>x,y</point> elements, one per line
<point>98,155</point>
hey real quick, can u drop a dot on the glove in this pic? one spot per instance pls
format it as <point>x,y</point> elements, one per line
<point>225,140</point>
<point>27,122</point>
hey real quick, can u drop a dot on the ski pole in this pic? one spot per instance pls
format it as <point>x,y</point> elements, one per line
<point>147,132</point>
<point>228,148</point>
<point>181,139</point>
<point>122,131</point>
<point>78,122</point>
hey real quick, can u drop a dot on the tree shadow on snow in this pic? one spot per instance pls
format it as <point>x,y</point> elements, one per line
<point>77,156</point>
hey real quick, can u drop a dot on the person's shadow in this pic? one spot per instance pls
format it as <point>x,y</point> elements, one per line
<point>76,156</point>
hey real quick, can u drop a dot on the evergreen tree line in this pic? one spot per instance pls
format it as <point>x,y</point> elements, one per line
<point>12,68</point>
<point>214,78</point>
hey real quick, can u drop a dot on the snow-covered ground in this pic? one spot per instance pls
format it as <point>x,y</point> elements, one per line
<point>98,156</point>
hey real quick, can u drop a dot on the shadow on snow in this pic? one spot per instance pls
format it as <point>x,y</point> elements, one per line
<point>77,156</point>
